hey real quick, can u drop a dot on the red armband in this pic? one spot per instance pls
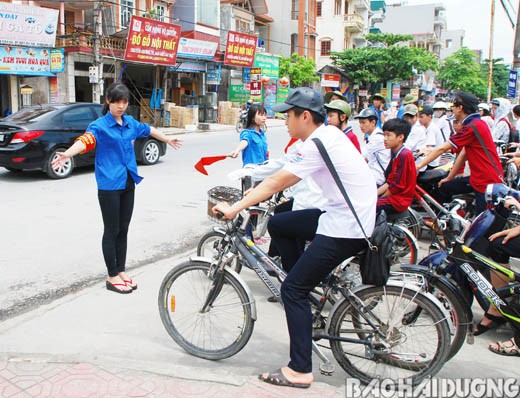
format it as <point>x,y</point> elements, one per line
<point>88,140</point>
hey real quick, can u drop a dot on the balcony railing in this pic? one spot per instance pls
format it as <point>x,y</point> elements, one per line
<point>362,4</point>
<point>354,22</point>
<point>86,40</point>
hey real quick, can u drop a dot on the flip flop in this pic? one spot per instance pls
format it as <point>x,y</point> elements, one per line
<point>113,287</point>
<point>130,283</point>
<point>278,379</point>
<point>496,321</point>
<point>510,351</point>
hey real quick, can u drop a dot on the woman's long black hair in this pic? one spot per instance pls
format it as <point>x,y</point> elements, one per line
<point>251,113</point>
<point>116,92</point>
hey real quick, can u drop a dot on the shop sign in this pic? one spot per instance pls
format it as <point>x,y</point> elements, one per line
<point>25,61</point>
<point>396,92</point>
<point>329,80</point>
<point>414,92</point>
<point>191,48</point>
<point>152,42</point>
<point>189,66</point>
<point>246,75</point>
<point>270,65</point>
<point>54,90</point>
<point>281,94</point>
<point>269,97</point>
<point>256,74</point>
<point>240,49</point>
<point>384,92</point>
<point>511,86</point>
<point>23,25</point>
<point>256,90</point>
<point>363,93</point>
<point>237,93</point>
<point>213,74</point>
<point>57,60</point>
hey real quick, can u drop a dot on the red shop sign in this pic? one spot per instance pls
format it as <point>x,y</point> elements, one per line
<point>152,42</point>
<point>240,49</point>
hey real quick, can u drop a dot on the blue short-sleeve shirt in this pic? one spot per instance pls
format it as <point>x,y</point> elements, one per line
<point>115,156</point>
<point>256,150</point>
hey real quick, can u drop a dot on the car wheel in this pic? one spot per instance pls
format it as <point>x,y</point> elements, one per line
<point>59,172</point>
<point>150,152</point>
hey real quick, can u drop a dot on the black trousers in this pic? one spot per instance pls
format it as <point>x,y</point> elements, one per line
<point>116,209</point>
<point>459,186</point>
<point>306,269</point>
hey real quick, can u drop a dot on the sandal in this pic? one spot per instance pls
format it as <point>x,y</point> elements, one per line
<point>114,287</point>
<point>496,321</point>
<point>511,351</point>
<point>130,283</point>
<point>278,379</point>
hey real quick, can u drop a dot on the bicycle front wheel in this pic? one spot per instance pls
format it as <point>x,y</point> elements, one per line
<point>409,349</point>
<point>216,332</point>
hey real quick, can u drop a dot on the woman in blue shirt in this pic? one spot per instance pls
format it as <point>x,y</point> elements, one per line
<point>113,136</point>
<point>253,143</point>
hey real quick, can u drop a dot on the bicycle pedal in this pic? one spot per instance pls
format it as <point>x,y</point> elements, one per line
<point>470,339</point>
<point>327,369</point>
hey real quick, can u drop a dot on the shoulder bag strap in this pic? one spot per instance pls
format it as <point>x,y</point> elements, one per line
<point>477,134</point>
<point>335,176</point>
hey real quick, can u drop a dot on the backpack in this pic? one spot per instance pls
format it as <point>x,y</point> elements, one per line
<point>513,132</point>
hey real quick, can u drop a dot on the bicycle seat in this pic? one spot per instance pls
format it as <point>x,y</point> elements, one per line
<point>434,174</point>
<point>397,216</point>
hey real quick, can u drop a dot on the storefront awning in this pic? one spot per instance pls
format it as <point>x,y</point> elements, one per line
<point>25,73</point>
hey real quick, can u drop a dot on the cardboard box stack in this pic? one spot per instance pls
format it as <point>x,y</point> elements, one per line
<point>146,113</point>
<point>180,116</point>
<point>227,114</point>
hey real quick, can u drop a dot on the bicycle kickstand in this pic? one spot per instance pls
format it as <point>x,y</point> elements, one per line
<point>327,368</point>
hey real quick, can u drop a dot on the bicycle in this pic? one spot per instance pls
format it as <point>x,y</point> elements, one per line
<point>405,247</point>
<point>461,256</point>
<point>369,328</point>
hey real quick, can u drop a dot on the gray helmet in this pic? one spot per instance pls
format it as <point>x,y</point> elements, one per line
<point>367,113</point>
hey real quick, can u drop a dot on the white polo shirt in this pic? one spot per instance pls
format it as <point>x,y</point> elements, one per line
<point>338,221</point>
<point>434,138</point>
<point>377,155</point>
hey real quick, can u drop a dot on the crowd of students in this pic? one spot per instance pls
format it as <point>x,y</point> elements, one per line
<point>379,175</point>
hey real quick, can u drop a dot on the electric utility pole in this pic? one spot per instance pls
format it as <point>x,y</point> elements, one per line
<point>490,63</point>
<point>97,80</point>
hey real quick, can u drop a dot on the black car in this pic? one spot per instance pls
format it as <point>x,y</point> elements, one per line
<point>30,138</point>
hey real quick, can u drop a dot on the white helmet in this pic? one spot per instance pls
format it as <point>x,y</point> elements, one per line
<point>440,105</point>
<point>484,106</point>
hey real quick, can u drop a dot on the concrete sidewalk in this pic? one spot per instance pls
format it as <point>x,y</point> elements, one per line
<point>96,343</point>
<point>215,127</point>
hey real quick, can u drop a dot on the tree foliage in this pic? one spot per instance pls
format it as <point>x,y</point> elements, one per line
<point>461,71</point>
<point>500,78</point>
<point>385,59</point>
<point>300,70</point>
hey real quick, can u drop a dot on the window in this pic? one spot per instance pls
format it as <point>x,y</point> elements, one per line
<point>161,12</point>
<point>346,6</point>
<point>318,8</point>
<point>207,12</point>
<point>325,48</point>
<point>449,43</point>
<point>337,7</point>
<point>294,9</point>
<point>294,43</point>
<point>242,26</point>
<point>127,10</point>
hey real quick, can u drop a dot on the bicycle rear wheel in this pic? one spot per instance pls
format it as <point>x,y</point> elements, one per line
<point>405,249</point>
<point>452,301</point>
<point>217,333</point>
<point>209,246</point>
<point>409,350</point>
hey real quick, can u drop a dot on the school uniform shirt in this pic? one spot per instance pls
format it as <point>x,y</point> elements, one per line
<point>416,140</point>
<point>444,126</point>
<point>115,156</point>
<point>256,151</point>
<point>352,137</point>
<point>377,155</point>
<point>338,220</point>
<point>379,113</point>
<point>482,171</point>
<point>401,180</point>
<point>434,138</point>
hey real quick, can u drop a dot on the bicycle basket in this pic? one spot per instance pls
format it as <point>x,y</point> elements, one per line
<point>222,194</point>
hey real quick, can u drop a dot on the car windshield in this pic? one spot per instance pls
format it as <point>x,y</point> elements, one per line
<point>30,114</point>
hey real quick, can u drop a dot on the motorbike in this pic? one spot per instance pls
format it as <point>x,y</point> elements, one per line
<point>482,227</point>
